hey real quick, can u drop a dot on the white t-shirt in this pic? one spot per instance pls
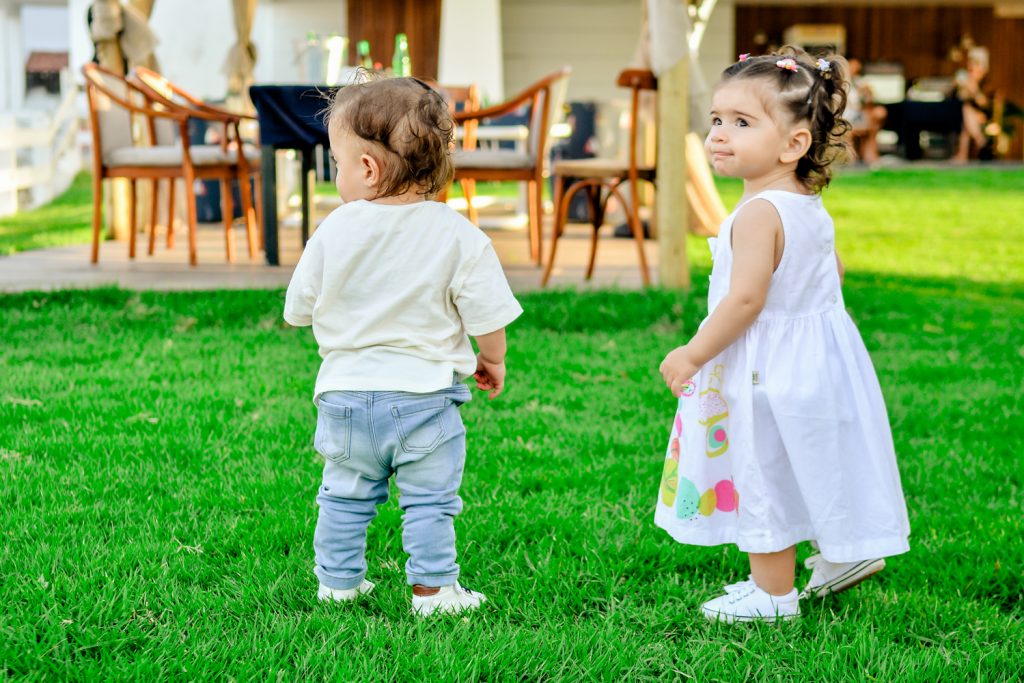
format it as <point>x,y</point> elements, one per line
<point>392,291</point>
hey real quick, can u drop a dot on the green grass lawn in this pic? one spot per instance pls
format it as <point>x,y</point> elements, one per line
<point>157,483</point>
<point>65,220</point>
<point>157,487</point>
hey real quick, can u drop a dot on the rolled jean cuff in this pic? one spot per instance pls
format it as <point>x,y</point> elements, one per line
<point>337,582</point>
<point>433,580</point>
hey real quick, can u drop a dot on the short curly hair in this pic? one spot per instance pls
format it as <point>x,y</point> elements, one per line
<point>808,93</point>
<point>408,126</point>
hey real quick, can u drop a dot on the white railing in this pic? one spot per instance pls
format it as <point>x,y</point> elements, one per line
<point>39,155</point>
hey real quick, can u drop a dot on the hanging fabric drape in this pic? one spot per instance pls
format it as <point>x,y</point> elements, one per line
<point>138,42</point>
<point>106,21</point>
<point>241,60</point>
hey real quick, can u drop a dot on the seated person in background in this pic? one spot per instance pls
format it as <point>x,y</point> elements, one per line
<point>865,116</point>
<point>977,106</point>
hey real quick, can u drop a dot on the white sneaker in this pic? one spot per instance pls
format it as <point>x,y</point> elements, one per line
<point>744,601</point>
<point>453,598</point>
<point>828,578</point>
<point>343,594</point>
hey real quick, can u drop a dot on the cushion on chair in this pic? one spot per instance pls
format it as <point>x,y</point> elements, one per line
<point>252,154</point>
<point>166,155</point>
<point>161,155</point>
<point>488,158</point>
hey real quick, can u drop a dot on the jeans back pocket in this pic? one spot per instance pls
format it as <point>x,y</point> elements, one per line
<point>333,438</point>
<point>419,424</point>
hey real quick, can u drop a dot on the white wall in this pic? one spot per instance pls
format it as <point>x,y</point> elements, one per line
<point>194,43</point>
<point>12,63</point>
<point>81,46</point>
<point>596,37</point>
<point>718,49</point>
<point>281,24</point>
<point>470,47</point>
<point>44,29</point>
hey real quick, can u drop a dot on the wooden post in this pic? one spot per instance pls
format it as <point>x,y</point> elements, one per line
<point>671,205</point>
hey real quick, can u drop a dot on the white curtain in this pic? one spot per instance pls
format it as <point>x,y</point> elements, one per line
<point>242,57</point>
<point>107,23</point>
<point>138,42</point>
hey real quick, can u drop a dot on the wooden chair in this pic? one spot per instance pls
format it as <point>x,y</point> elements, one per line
<point>603,178</point>
<point>114,106</point>
<point>465,98</point>
<point>169,95</point>
<point>544,98</point>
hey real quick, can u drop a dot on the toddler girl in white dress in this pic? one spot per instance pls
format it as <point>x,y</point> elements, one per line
<point>781,433</point>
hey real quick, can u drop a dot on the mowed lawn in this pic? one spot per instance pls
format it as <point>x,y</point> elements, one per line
<point>66,220</point>
<point>157,483</point>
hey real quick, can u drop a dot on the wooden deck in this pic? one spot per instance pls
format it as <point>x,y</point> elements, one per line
<point>69,267</point>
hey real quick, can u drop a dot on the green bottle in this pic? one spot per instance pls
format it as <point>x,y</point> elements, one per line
<point>401,65</point>
<point>363,57</point>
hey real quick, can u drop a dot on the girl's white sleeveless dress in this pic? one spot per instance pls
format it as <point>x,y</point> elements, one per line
<point>784,436</point>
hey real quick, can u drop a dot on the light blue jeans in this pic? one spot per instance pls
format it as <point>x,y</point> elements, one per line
<point>365,436</point>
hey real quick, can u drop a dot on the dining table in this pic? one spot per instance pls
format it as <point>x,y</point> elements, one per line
<point>291,117</point>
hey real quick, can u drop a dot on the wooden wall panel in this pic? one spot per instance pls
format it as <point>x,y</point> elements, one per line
<point>379,20</point>
<point>918,37</point>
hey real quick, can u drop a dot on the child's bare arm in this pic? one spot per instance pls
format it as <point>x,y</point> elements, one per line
<point>490,362</point>
<point>840,267</point>
<point>754,242</point>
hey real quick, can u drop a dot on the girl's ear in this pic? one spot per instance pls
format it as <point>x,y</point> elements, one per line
<point>796,147</point>
<point>369,170</point>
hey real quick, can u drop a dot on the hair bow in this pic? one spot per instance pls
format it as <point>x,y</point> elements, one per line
<point>789,64</point>
<point>824,68</point>
<point>745,56</point>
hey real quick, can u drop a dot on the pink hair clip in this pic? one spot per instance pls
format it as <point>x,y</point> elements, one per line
<point>789,64</point>
<point>745,56</point>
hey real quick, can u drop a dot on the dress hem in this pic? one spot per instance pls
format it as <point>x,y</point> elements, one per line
<point>870,549</point>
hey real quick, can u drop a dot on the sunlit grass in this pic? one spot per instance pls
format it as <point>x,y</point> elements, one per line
<point>66,220</point>
<point>157,488</point>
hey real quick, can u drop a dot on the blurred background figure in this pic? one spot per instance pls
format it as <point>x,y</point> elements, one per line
<point>977,105</point>
<point>866,116</point>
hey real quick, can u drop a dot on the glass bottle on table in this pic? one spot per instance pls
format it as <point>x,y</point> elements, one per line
<point>401,64</point>
<point>363,57</point>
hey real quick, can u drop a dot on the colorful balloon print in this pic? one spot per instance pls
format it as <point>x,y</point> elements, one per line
<point>707,502</point>
<point>668,481</point>
<point>714,413</point>
<point>726,496</point>
<point>687,499</point>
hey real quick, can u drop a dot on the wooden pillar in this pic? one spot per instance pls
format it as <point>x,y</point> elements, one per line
<point>671,205</point>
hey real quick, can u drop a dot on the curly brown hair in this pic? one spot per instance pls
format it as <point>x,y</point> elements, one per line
<point>812,94</point>
<point>408,127</point>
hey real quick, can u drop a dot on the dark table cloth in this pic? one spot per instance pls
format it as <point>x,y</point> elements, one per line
<point>290,117</point>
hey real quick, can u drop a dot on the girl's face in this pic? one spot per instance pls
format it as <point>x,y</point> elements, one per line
<point>745,141</point>
<point>357,170</point>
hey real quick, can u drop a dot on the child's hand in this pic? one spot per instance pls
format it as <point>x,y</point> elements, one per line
<point>676,369</point>
<point>489,376</point>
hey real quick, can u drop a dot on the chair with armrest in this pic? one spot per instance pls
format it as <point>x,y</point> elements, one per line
<point>543,99</point>
<point>169,95</point>
<point>465,98</point>
<point>115,105</point>
<point>602,179</point>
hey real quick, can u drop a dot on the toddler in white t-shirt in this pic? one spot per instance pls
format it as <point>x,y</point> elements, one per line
<point>393,284</point>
